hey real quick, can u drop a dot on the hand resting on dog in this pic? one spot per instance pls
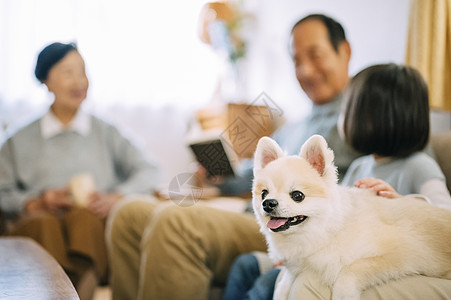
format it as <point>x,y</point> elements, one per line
<point>379,186</point>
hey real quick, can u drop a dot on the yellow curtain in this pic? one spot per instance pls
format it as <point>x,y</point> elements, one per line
<point>429,48</point>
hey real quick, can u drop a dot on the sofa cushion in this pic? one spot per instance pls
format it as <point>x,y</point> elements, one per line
<point>441,143</point>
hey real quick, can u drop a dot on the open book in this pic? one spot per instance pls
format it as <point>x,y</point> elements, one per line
<point>215,154</point>
<point>219,150</point>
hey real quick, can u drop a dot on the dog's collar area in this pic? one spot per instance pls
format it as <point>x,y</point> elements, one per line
<point>278,224</point>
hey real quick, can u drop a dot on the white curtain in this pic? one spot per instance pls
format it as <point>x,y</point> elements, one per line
<point>136,52</point>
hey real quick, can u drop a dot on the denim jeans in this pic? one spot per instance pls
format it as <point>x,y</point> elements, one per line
<point>246,282</point>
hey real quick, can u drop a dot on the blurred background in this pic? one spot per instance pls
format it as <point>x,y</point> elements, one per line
<point>153,64</point>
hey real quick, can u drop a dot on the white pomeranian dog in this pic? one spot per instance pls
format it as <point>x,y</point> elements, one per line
<point>350,238</point>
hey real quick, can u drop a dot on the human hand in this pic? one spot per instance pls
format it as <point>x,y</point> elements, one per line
<point>53,200</point>
<point>204,179</point>
<point>100,203</point>
<point>380,187</point>
<point>278,264</point>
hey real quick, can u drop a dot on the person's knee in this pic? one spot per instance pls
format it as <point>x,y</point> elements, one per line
<point>122,214</point>
<point>41,220</point>
<point>242,275</point>
<point>172,224</point>
<point>175,217</point>
<point>83,217</point>
<point>247,261</point>
<point>35,225</point>
<point>121,220</point>
<point>247,265</point>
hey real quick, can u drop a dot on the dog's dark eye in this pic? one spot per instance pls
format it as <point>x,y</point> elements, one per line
<point>297,196</point>
<point>264,194</point>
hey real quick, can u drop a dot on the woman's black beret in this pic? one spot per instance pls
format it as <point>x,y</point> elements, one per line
<point>49,56</point>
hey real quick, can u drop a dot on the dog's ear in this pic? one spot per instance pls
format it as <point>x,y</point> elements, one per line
<point>317,153</point>
<point>267,151</point>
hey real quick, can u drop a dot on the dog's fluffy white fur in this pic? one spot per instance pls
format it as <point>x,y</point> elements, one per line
<point>351,238</point>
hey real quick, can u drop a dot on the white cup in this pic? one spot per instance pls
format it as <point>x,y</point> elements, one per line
<point>81,187</point>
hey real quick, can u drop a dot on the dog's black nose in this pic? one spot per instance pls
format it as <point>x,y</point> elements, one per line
<point>269,205</point>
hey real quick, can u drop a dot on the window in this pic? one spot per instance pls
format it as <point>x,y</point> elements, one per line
<point>136,52</point>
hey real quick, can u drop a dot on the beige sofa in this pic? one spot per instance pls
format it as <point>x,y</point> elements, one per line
<point>441,143</point>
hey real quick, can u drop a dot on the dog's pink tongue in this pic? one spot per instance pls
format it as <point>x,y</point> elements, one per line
<point>276,223</point>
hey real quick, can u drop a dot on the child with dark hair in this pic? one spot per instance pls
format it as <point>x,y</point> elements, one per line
<point>386,111</point>
<point>386,116</point>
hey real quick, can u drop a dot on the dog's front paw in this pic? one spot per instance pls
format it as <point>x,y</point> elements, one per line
<point>283,285</point>
<point>345,288</point>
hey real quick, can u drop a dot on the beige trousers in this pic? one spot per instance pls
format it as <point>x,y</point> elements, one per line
<point>171,252</point>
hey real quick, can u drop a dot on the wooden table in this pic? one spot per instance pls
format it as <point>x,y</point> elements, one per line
<point>27,271</point>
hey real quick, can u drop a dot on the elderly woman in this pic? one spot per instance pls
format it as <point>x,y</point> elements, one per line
<point>38,162</point>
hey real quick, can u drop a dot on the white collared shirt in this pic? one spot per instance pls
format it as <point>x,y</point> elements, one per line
<point>51,126</point>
